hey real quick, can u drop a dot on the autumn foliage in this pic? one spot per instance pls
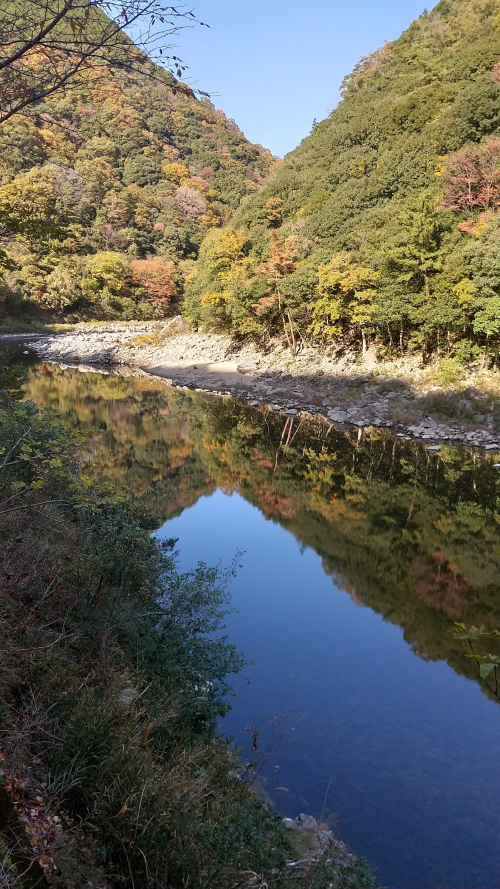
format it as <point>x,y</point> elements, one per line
<point>392,203</point>
<point>155,277</point>
<point>472,179</point>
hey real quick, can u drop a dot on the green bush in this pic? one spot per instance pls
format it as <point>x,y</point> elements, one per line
<point>114,670</point>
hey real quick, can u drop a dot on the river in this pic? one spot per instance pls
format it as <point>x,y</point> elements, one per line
<point>358,551</point>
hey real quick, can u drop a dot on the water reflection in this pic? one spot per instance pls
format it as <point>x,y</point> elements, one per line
<point>416,536</point>
<point>352,519</point>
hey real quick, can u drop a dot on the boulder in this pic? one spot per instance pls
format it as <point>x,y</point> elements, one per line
<point>338,416</point>
<point>306,822</point>
<point>177,325</point>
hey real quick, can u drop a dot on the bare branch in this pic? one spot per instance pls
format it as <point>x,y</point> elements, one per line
<point>36,505</point>
<point>47,44</point>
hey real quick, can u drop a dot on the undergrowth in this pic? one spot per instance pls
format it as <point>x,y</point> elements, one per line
<point>113,672</point>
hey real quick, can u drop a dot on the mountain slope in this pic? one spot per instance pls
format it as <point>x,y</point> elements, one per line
<point>109,188</point>
<point>382,225</point>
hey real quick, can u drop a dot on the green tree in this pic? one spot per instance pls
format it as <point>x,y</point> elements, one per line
<point>345,298</point>
<point>417,259</point>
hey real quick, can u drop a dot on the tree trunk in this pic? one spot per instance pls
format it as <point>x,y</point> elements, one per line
<point>483,362</point>
<point>290,346</point>
<point>291,331</point>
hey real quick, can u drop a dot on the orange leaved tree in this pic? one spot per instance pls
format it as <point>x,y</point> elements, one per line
<point>281,263</point>
<point>156,278</point>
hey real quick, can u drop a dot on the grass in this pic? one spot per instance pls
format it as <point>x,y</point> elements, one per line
<point>157,337</point>
<point>112,676</point>
<point>20,326</point>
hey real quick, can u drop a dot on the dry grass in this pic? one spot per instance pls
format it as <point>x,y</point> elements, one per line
<point>114,718</point>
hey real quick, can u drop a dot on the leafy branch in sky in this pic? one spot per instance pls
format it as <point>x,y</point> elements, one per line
<point>45,45</point>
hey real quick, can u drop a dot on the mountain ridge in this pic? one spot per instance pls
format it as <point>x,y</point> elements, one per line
<point>358,236</point>
<point>107,189</point>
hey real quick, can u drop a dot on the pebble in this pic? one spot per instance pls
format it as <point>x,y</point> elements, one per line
<point>306,389</point>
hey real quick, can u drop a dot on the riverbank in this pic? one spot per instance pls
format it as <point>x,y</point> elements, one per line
<point>401,394</point>
<point>113,676</point>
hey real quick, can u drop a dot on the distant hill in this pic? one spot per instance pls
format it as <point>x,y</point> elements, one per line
<point>107,191</point>
<point>383,226</point>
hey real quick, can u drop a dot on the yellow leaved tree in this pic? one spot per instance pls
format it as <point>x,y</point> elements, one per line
<point>345,298</point>
<point>218,276</point>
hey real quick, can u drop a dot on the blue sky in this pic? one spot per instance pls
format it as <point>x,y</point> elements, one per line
<point>276,65</point>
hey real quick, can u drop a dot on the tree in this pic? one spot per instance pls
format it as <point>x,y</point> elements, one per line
<point>414,262</point>
<point>156,278</point>
<point>345,295</point>
<point>472,179</point>
<point>46,45</point>
<point>108,276</point>
<point>274,209</point>
<point>62,287</point>
<point>176,173</point>
<point>190,202</point>
<point>28,206</point>
<point>281,263</point>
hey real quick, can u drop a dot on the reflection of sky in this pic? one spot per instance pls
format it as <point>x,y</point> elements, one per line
<point>410,746</point>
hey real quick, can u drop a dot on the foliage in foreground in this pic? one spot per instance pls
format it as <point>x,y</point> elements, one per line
<point>113,672</point>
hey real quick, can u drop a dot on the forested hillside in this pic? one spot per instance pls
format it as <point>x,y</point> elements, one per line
<point>383,226</point>
<point>107,190</point>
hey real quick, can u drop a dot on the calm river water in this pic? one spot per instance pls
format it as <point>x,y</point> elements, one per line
<point>359,552</point>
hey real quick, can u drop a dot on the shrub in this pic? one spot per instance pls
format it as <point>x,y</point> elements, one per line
<point>113,672</point>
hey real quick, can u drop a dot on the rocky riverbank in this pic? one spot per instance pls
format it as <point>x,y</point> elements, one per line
<point>395,395</point>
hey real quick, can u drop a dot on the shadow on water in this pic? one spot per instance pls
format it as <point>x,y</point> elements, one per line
<point>412,534</point>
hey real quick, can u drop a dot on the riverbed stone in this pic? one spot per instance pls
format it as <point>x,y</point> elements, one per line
<point>211,362</point>
<point>306,822</point>
<point>338,416</point>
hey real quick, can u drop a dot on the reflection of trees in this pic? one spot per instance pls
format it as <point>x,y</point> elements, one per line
<point>411,535</point>
<point>415,537</point>
<point>136,441</point>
